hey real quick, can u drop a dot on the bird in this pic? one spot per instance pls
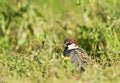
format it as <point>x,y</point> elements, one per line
<point>75,54</point>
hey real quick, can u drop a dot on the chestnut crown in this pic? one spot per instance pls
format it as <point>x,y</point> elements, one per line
<point>69,41</point>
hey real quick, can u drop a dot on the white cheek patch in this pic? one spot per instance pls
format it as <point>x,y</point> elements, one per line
<point>72,46</point>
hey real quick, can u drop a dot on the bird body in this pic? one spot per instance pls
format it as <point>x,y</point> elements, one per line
<point>76,54</point>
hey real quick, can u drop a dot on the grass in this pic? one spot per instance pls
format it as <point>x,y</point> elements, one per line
<point>32,35</point>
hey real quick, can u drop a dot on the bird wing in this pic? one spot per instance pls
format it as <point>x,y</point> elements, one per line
<point>83,54</point>
<point>83,57</point>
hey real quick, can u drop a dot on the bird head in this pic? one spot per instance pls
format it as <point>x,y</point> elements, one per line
<point>70,44</point>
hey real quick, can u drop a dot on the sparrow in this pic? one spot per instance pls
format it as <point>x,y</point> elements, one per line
<point>75,54</point>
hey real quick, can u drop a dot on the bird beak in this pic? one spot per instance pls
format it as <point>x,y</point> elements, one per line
<point>65,45</point>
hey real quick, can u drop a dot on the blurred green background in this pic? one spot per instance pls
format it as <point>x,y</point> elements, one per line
<point>32,33</point>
